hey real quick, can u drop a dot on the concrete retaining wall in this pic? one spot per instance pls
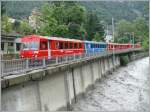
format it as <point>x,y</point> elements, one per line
<point>57,90</point>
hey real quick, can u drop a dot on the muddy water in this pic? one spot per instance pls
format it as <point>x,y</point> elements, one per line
<point>127,89</point>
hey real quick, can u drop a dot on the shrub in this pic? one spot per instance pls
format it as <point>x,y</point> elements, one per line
<point>124,60</point>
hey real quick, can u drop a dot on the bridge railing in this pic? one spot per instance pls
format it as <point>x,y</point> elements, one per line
<point>17,66</point>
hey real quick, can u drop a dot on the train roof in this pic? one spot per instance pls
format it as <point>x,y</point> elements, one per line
<point>119,43</point>
<point>60,38</point>
<point>29,37</point>
<point>94,42</point>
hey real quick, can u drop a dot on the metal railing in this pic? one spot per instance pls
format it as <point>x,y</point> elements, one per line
<point>17,66</point>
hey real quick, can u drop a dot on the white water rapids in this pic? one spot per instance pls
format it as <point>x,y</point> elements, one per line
<point>127,89</point>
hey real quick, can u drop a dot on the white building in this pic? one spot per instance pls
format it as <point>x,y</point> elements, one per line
<point>33,19</point>
<point>109,38</point>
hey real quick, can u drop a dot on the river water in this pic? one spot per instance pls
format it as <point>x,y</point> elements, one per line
<point>126,89</point>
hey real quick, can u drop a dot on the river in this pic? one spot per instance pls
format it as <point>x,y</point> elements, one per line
<point>126,89</point>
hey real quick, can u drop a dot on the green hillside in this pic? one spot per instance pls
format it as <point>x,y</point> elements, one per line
<point>104,10</point>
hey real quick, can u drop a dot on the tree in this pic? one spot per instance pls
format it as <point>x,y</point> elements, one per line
<point>6,24</point>
<point>93,26</point>
<point>97,37</point>
<point>61,30</point>
<point>124,29</point>
<point>76,14</point>
<point>48,22</point>
<point>138,27</point>
<point>25,28</point>
<point>61,19</point>
<point>3,8</point>
<point>141,31</point>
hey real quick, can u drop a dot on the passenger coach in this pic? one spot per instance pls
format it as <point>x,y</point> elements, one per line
<point>92,47</point>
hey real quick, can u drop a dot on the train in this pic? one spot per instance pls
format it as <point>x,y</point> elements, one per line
<point>47,46</point>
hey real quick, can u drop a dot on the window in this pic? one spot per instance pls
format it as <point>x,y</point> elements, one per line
<point>66,45</point>
<point>18,46</point>
<point>92,46</point>
<point>43,45</point>
<point>10,44</point>
<point>71,45</point>
<point>57,45</point>
<point>2,46</point>
<point>80,45</point>
<point>30,45</point>
<point>60,45</point>
<point>75,45</point>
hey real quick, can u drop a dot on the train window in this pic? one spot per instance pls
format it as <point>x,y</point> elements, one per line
<point>57,45</point>
<point>80,45</point>
<point>66,45</point>
<point>96,45</point>
<point>75,45</point>
<point>70,45</point>
<point>43,45</point>
<point>92,45</point>
<point>60,45</point>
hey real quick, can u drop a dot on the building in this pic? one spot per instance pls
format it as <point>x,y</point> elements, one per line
<point>10,44</point>
<point>33,19</point>
<point>109,38</point>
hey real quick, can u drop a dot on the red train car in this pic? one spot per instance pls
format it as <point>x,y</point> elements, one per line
<point>118,46</point>
<point>138,45</point>
<point>41,46</point>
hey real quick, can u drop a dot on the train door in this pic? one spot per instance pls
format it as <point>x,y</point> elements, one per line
<point>43,48</point>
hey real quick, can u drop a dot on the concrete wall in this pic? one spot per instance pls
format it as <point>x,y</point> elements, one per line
<point>56,90</point>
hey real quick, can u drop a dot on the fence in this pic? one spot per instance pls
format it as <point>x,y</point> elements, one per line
<point>17,66</point>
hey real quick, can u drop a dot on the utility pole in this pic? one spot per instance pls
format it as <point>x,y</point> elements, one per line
<point>133,38</point>
<point>149,37</point>
<point>113,29</point>
<point>113,40</point>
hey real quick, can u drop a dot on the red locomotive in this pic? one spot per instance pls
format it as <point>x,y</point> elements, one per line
<point>41,46</point>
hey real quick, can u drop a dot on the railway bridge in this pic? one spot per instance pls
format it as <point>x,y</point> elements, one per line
<point>56,83</point>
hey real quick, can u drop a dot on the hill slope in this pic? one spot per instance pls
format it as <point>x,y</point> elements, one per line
<point>104,9</point>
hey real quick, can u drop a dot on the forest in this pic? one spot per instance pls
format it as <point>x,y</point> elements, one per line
<point>85,20</point>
